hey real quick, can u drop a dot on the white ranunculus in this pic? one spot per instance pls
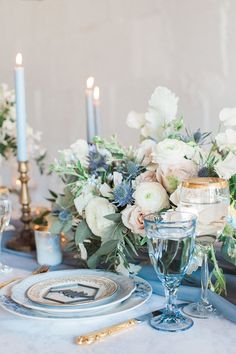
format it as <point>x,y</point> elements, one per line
<point>228,117</point>
<point>80,151</point>
<point>171,151</point>
<point>106,190</point>
<point>165,103</point>
<point>227,167</point>
<point>135,120</point>
<point>151,197</point>
<point>95,211</point>
<point>226,140</point>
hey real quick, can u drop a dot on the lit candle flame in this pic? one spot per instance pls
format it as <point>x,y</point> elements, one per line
<point>19,59</point>
<point>96,93</point>
<point>90,82</point>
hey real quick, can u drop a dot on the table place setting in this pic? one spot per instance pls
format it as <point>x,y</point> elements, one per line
<point>139,225</point>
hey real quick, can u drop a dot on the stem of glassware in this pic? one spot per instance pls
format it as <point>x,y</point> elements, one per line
<point>170,300</point>
<point>204,278</point>
<point>1,233</point>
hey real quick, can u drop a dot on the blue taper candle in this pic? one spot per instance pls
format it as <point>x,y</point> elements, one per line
<point>20,110</point>
<point>97,113</point>
<point>90,111</point>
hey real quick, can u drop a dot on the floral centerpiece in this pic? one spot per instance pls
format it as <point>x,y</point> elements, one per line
<point>8,145</point>
<point>109,188</point>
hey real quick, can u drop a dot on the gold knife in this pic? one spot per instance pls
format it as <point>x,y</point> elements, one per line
<point>96,336</point>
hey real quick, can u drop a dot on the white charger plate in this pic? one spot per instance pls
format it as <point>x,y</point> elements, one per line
<point>126,287</point>
<point>66,289</point>
<point>142,294</point>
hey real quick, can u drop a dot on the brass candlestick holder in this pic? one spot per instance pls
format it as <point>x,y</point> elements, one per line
<point>24,242</point>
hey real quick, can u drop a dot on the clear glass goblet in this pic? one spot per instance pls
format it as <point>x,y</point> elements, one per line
<point>170,244</point>
<point>208,199</point>
<point>5,215</point>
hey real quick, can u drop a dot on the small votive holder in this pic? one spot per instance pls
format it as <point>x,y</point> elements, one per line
<point>48,247</point>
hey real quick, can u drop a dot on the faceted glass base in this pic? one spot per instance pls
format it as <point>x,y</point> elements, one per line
<point>171,322</point>
<point>200,310</point>
<point>4,268</point>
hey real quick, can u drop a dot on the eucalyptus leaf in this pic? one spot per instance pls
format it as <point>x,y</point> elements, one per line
<point>116,217</point>
<point>107,247</point>
<point>82,232</point>
<point>113,232</point>
<point>66,200</point>
<point>93,261</point>
<point>104,250</point>
<point>131,246</point>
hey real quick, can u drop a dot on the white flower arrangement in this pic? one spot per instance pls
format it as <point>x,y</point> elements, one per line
<point>109,189</point>
<point>8,145</point>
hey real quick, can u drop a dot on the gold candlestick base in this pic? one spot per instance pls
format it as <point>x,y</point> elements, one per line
<point>24,242</point>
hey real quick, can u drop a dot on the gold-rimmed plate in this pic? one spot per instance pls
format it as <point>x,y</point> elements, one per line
<point>125,288</point>
<point>77,290</point>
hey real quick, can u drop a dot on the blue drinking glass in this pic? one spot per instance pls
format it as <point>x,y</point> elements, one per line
<point>171,237</point>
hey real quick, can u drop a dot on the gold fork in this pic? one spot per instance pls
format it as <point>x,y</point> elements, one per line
<point>42,269</point>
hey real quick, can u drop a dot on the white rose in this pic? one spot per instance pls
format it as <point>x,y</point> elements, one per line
<point>171,175</point>
<point>228,117</point>
<point>95,211</point>
<point>165,103</point>
<point>227,140</point>
<point>171,151</point>
<point>144,152</point>
<point>151,197</point>
<point>135,120</point>
<point>133,219</point>
<point>80,151</point>
<point>226,168</point>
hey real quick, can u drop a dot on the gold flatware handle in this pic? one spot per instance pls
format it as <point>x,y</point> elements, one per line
<point>7,282</point>
<point>42,269</point>
<point>93,337</point>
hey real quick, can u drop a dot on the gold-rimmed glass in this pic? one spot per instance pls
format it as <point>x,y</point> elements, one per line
<point>208,198</point>
<point>5,215</point>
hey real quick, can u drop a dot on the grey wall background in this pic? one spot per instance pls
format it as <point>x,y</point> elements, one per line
<point>130,47</point>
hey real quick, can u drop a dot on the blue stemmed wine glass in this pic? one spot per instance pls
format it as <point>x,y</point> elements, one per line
<point>5,215</point>
<point>171,237</point>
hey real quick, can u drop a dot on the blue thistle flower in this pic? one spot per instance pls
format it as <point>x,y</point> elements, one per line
<point>203,172</point>
<point>123,194</point>
<point>129,169</point>
<point>64,215</point>
<point>96,160</point>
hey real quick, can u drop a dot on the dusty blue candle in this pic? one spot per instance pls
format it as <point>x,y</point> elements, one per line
<point>96,103</point>
<point>90,111</point>
<point>20,110</point>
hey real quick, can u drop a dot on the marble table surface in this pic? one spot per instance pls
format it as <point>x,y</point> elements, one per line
<point>26,336</point>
